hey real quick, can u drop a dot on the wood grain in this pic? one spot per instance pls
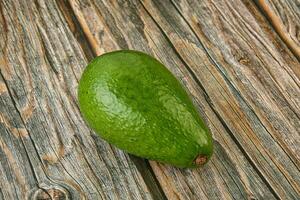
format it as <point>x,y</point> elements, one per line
<point>46,150</point>
<point>285,18</point>
<point>253,114</point>
<point>251,80</point>
<point>242,78</point>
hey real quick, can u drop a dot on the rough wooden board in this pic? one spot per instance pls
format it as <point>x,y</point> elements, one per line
<point>46,150</point>
<point>235,170</point>
<point>285,18</point>
<point>250,84</point>
<point>251,63</point>
<point>243,165</point>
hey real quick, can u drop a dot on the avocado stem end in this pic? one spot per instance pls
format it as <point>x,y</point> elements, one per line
<point>200,160</point>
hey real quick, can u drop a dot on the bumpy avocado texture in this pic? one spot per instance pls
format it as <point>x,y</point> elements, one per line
<point>133,102</point>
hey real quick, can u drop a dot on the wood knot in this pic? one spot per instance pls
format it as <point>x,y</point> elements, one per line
<point>244,61</point>
<point>49,194</point>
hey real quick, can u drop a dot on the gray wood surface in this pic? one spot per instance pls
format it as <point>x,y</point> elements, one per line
<point>242,74</point>
<point>46,150</point>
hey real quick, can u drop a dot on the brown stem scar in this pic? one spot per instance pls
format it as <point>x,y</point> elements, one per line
<point>200,160</point>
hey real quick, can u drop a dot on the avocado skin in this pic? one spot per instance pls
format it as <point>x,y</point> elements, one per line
<point>132,101</point>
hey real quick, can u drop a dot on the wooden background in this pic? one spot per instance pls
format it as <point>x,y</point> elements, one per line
<point>239,59</point>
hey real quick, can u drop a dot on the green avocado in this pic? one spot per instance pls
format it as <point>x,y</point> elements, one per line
<point>132,101</point>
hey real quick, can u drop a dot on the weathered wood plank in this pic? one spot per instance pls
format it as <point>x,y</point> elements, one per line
<point>259,99</point>
<point>285,18</point>
<point>250,84</point>
<point>243,166</point>
<point>46,150</point>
